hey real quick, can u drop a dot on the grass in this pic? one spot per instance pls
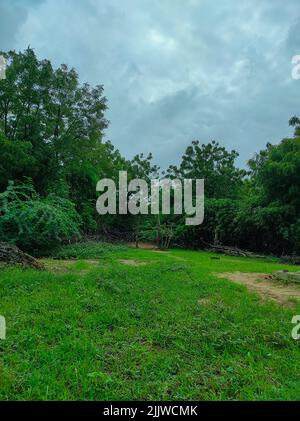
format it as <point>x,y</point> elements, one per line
<point>101,330</point>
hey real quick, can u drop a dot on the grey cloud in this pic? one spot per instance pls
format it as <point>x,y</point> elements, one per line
<point>175,71</point>
<point>13,14</point>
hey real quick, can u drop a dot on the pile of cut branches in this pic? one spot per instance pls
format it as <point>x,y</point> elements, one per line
<point>290,260</point>
<point>233,251</point>
<point>12,255</point>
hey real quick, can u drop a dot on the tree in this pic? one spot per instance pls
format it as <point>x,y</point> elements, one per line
<point>213,163</point>
<point>269,217</point>
<point>51,130</point>
<point>49,109</point>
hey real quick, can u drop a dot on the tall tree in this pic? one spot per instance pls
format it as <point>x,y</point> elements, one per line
<point>213,163</point>
<point>62,120</point>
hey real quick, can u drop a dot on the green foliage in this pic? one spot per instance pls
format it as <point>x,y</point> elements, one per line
<point>269,215</point>
<point>265,228</point>
<point>294,235</point>
<point>280,173</point>
<point>213,163</point>
<point>36,223</point>
<point>142,167</point>
<point>52,131</point>
<point>219,225</point>
<point>16,160</point>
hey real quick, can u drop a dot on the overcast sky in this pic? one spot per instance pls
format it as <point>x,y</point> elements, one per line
<point>173,70</point>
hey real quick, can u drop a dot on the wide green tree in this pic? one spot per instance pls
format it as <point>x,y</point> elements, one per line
<point>49,109</point>
<point>52,130</point>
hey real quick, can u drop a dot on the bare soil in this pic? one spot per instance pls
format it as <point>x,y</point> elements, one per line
<point>265,286</point>
<point>131,262</point>
<point>144,246</point>
<point>67,265</point>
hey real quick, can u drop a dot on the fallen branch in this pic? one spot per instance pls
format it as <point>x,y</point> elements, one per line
<point>233,251</point>
<point>291,260</point>
<point>284,275</point>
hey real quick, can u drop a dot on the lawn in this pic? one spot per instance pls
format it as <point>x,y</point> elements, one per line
<point>115,323</point>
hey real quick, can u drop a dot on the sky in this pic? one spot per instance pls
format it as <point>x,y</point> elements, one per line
<point>173,70</point>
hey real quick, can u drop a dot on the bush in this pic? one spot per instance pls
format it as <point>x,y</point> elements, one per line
<point>295,236</point>
<point>270,228</point>
<point>218,227</point>
<point>34,223</point>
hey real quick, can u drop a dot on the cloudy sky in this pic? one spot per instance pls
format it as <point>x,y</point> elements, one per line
<point>173,70</point>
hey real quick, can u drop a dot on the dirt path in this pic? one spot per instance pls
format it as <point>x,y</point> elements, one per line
<point>265,286</point>
<point>69,265</point>
<point>131,262</point>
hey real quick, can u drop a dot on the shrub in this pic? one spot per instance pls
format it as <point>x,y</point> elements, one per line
<point>35,223</point>
<point>218,226</point>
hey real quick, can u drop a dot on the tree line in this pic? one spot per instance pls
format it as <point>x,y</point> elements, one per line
<point>53,152</point>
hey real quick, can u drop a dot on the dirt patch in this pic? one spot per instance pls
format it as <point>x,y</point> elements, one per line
<point>68,265</point>
<point>265,286</point>
<point>70,262</point>
<point>131,262</point>
<point>204,301</point>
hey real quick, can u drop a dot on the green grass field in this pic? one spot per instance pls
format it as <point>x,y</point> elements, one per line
<point>106,327</point>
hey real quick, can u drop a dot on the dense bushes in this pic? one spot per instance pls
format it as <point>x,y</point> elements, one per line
<point>219,225</point>
<point>35,223</point>
<point>270,210</point>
